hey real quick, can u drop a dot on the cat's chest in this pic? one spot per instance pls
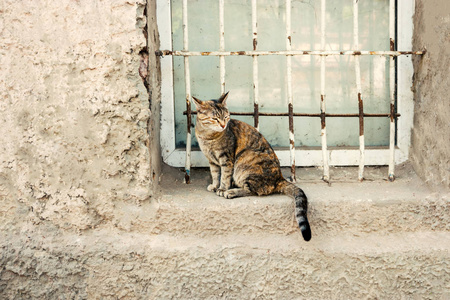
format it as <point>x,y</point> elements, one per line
<point>211,149</point>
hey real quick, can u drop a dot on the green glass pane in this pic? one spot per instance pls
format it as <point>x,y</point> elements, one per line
<point>341,97</point>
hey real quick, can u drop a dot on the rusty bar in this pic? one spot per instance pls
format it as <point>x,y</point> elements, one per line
<point>392,88</point>
<point>187,79</point>
<point>264,114</point>
<point>358,89</point>
<point>255,66</point>
<point>289,90</point>
<point>323,133</point>
<point>290,52</point>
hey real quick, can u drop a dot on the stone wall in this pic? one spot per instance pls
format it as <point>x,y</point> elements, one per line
<point>431,131</point>
<point>74,112</point>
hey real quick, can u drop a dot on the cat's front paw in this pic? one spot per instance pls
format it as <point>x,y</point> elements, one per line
<point>230,194</point>
<point>220,192</point>
<point>212,188</point>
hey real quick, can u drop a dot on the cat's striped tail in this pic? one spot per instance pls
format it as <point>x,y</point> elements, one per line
<point>301,206</point>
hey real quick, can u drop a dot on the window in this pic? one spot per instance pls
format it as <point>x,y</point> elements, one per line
<point>294,69</point>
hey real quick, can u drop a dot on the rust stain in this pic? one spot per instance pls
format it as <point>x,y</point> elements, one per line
<point>256,114</point>
<point>357,53</point>
<point>293,173</point>
<point>392,112</point>
<point>163,52</point>
<point>361,115</point>
<point>291,119</point>
<point>188,114</point>
<point>392,44</point>
<point>206,53</point>
<point>255,43</point>
<point>187,178</point>
<point>289,38</point>
<point>322,114</point>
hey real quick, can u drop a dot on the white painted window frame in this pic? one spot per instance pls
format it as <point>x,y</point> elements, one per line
<point>303,156</point>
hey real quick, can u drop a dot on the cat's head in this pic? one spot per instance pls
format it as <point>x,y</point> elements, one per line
<point>213,114</point>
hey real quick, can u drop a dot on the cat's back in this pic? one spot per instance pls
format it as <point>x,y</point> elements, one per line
<point>249,142</point>
<point>246,134</point>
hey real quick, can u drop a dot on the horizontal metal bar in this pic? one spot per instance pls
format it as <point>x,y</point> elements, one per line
<point>307,115</point>
<point>285,52</point>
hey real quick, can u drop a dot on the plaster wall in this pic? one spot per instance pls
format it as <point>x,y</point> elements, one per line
<point>74,111</point>
<point>431,132</point>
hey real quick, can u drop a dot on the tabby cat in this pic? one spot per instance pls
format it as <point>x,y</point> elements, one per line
<point>242,162</point>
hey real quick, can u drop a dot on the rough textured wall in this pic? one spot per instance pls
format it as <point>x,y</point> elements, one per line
<point>74,112</point>
<point>431,133</point>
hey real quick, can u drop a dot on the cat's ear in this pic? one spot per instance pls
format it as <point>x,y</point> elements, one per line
<point>198,102</point>
<point>223,98</point>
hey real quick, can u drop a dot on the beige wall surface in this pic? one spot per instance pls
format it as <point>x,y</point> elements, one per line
<point>74,111</point>
<point>431,132</point>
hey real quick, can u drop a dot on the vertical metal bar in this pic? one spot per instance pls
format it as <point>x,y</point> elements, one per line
<point>187,80</point>
<point>326,168</point>
<point>222,46</point>
<point>391,175</point>
<point>358,89</point>
<point>289,90</point>
<point>255,65</point>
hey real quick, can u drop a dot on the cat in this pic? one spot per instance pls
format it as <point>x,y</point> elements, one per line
<point>242,162</point>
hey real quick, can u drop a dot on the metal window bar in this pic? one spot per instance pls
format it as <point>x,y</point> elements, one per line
<point>392,87</point>
<point>358,90</point>
<point>187,77</point>
<point>391,55</point>
<point>222,46</point>
<point>292,52</point>
<point>289,91</point>
<point>255,66</point>
<point>326,168</point>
